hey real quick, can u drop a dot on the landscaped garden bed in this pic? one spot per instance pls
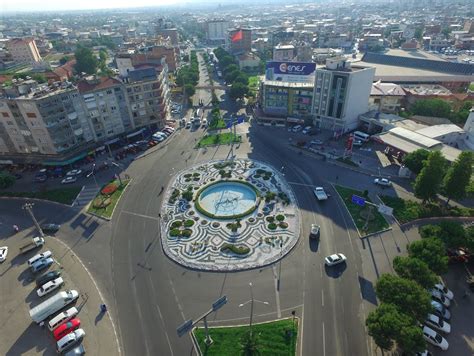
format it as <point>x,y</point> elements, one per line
<point>219,139</point>
<point>104,203</point>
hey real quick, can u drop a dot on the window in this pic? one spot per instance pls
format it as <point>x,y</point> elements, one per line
<point>31,114</point>
<point>5,114</point>
<point>109,91</point>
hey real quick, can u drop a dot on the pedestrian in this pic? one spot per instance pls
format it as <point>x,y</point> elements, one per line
<point>159,215</point>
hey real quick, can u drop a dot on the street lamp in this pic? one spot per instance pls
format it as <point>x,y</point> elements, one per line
<point>251,301</point>
<point>93,174</point>
<point>118,175</point>
<point>29,208</point>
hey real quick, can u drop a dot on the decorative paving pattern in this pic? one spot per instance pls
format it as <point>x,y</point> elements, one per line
<point>257,239</point>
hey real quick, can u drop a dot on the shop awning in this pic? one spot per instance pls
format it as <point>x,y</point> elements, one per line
<point>63,163</point>
<point>112,141</point>
<point>135,133</point>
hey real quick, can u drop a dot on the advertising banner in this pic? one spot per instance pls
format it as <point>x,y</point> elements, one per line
<point>290,71</point>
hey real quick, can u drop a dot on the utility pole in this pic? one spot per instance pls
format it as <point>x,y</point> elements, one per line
<point>29,208</point>
<point>251,301</point>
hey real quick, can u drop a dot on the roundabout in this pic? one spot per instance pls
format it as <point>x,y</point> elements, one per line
<point>228,216</point>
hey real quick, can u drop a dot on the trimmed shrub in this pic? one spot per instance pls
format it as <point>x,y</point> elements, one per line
<point>272,226</point>
<point>186,232</point>
<point>188,223</point>
<point>283,225</point>
<point>175,232</point>
<point>100,203</point>
<point>280,217</point>
<point>270,219</point>
<point>239,250</point>
<point>109,189</point>
<point>176,224</point>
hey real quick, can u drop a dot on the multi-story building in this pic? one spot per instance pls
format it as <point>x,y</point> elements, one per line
<point>341,94</point>
<point>242,45</point>
<point>386,97</point>
<point>283,53</point>
<point>216,31</point>
<point>171,33</point>
<point>24,50</point>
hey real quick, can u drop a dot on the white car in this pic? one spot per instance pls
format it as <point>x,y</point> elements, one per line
<point>440,298</point>
<point>316,142</point>
<point>434,338</point>
<point>204,122</point>
<point>438,323</point>
<point>442,288</point>
<point>440,310</point>
<point>297,128</point>
<point>70,339</point>
<point>334,259</point>
<point>39,256</point>
<point>69,180</point>
<point>306,130</point>
<point>74,172</point>
<point>315,231</point>
<point>3,253</point>
<point>357,143</point>
<point>49,286</point>
<point>382,181</point>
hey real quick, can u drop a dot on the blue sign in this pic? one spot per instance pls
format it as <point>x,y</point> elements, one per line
<point>358,200</point>
<point>184,328</point>
<point>291,68</point>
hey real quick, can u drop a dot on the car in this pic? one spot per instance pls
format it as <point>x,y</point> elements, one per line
<point>440,310</point>
<point>424,353</point>
<point>71,339</point>
<point>442,288</point>
<point>158,138</point>
<point>439,297</point>
<point>3,253</point>
<point>168,131</point>
<point>76,351</point>
<point>434,338</point>
<point>41,178</point>
<point>41,264</point>
<point>74,172</point>
<point>357,143</point>
<point>69,180</point>
<point>438,323</point>
<point>47,277</point>
<point>204,122</point>
<point>334,259</point>
<point>49,287</point>
<point>39,256</point>
<point>66,328</point>
<point>297,128</point>
<point>188,125</point>
<point>315,231</point>
<point>316,142</point>
<point>383,182</point>
<point>169,128</point>
<point>306,130</point>
<point>50,228</point>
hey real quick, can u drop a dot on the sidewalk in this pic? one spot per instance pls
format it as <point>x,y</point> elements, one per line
<point>18,334</point>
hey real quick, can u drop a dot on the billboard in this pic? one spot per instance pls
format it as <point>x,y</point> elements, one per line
<point>291,68</point>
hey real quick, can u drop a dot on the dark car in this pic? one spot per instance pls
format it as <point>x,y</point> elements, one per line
<point>50,228</point>
<point>78,350</point>
<point>45,278</point>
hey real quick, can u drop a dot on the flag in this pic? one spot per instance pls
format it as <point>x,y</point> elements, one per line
<point>237,36</point>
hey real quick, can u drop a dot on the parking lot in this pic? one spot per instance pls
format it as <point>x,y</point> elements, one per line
<point>19,335</point>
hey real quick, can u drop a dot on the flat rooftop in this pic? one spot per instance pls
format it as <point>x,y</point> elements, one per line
<point>414,54</point>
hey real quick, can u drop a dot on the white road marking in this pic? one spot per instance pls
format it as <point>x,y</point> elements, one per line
<point>166,334</point>
<point>140,215</point>
<point>277,292</point>
<point>322,297</point>
<point>255,315</point>
<point>324,341</point>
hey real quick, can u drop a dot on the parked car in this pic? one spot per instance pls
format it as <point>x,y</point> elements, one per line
<point>383,182</point>
<point>306,130</point>
<point>50,286</point>
<point>71,339</point>
<point>74,172</point>
<point>47,277</point>
<point>76,351</point>
<point>315,231</point>
<point>297,128</point>
<point>334,259</point>
<point>66,328</point>
<point>38,257</point>
<point>434,321</point>
<point>357,143</point>
<point>442,288</point>
<point>434,338</point>
<point>69,180</point>
<point>204,123</point>
<point>439,297</point>
<point>188,124</point>
<point>440,310</point>
<point>50,228</point>
<point>41,264</point>
<point>316,142</point>
<point>3,253</point>
<point>41,178</point>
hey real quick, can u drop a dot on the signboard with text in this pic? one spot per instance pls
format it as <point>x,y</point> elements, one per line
<point>301,72</point>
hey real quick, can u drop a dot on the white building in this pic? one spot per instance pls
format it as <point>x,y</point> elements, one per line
<point>341,94</point>
<point>469,128</point>
<point>448,134</point>
<point>216,31</point>
<point>24,50</point>
<point>283,53</point>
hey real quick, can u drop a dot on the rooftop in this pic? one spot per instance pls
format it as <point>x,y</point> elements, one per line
<point>386,89</point>
<point>88,85</point>
<point>440,130</point>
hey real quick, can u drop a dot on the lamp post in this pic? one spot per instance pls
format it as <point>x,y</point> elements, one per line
<point>93,174</point>
<point>29,208</point>
<point>251,301</point>
<point>118,175</point>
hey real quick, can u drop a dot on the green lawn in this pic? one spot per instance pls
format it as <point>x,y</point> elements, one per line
<point>107,212</point>
<point>216,124</point>
<point>377,224</point>
<point>62,195</point>
<point>253,83</point>
<point>471,86</point>
<point>219,139</point>
<point>274,339</point>
<point>408,210</point>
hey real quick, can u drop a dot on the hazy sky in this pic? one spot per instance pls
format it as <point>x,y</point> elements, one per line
<point>48,5</point>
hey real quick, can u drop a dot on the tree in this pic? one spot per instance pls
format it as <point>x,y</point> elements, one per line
<point>432,107</point>
<point>414,160</point>
<point>432,252</point>
<point>428,182</point>
<point>85,61</point>
<point>189,89</point>
<point>250,343</point>
<point>6,180</point>
<point>231,68</point>
<point>419,33</point>
<point>409,297</point>
<point>226,61</point>
<point>428,231</point>
<point>387,324</point>
<point>238,91</point>
<point>230,76</point>
<point>242,78</point>
<point>458,176</point>
<point>452,234</point>
<point>415,269</point>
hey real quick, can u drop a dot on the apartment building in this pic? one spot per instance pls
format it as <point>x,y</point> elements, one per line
<point>239,46</point>
<point>283,53</point>
<point>23,50</point>
<point>341,94</point>
<point>216,31</point>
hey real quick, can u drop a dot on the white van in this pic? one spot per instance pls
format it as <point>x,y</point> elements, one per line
<point>39,256</point>
<point>70,339</point>
<point>52,305</point>
<point>361,136</point>
<point>62,318</point>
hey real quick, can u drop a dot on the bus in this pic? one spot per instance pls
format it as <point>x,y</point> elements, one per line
<point>358,135</point>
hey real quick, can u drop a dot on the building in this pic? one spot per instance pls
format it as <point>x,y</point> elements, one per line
<point>242,45</point>
<point>449,134</point>
<point>386,97</point>
<point>248,61</point>
<point>171,33</point>
<point>283,53</point>
<point>24,50</point>
<point>154,54</point>
<point>216,31</point>
<point>341,94</point>
<point>469,129</point>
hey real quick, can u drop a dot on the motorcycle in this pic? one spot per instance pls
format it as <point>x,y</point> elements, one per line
<point>16,228</point>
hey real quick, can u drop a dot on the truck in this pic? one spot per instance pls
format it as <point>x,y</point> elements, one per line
<point>34,243</point>
<point>52,305</point>
<point>320,193</point>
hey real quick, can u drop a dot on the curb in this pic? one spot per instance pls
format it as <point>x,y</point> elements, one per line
<point>116,203</point>
<point>40,200</point>
<point>428,220</point>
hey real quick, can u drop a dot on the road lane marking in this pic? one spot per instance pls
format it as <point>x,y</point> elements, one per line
<point>166,334</point>
<point>140,215</point>
<point>255,315</point>
<point>324,341</point>
<point>277,292</point>
<point>322,297</point>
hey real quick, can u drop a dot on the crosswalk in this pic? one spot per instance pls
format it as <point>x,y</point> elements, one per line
<point>86,195</point>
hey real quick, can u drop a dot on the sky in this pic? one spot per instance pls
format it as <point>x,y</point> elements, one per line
<point>51,5</point>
